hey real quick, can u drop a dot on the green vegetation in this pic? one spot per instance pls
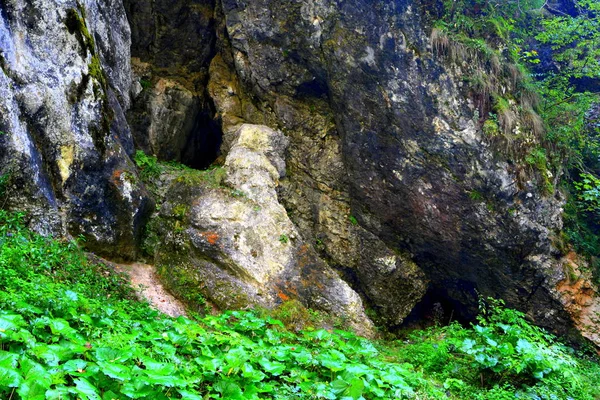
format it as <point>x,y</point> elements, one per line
<point>151,168</point>
<point>353,220</point>
<point>214,177</point>
<point>475,195</point>
<point>77,25</point>
<point>530,68</point>
<point>95,71</point>
<point>69,328</point>
<point>146,84</point>
<point>148,165</point>
<point>284,239</point>
<point>4,180</point>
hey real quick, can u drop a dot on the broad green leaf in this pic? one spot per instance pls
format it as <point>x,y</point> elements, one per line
<point>84,388</point>
<point>137,389</point>
<point>59,326</point>
<point>35,372</point>
<point>74,365</point>
<point>116,371</point>
<point>187,395</point>
<point>272,367</point>
<point>8,360</point>
<point>112,355</point>
<point>58,393</point>
<point>523,346</point>
<point>10,322</point>
<point>32,389</point>
<point>252,374</point>
<point>229,390</point>
<point>9,378</point>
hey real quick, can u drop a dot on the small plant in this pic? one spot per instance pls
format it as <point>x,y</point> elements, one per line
<point>588,192</point>
<point>491,127</point>
<point>507,348</point>
<point>146,84</point>
<point>180,211</point>
<point>475,195</point>
<point>284,239</point>
<point>353,220</point>
<point>148,165</point>
<point>4,179</point>
<point>538,159</point>
<point>95,71</point>
<point>319,245</point>
<point>237,193</point>
<point>213,177</point>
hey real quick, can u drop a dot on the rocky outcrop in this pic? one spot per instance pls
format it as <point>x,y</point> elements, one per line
<point>234,243</point>
<point>388,165</point>
<point>388,192</point>
<point>64,84</point>
<point>580,296</point>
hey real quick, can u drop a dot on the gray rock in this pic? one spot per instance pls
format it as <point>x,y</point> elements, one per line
<point>60,86</point>
<point>386,176</point>
<point>237,244</point>
<point>174,42</point>
<point>382,130</point>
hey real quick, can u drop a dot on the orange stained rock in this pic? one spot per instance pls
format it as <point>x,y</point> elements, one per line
<point>283,296</point>
<point>117,175</point>
<point>211,237</point>
<point>580,298</point>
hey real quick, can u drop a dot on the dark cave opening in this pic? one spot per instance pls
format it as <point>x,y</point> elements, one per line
<point>204,142</point>
<point>438,307</point>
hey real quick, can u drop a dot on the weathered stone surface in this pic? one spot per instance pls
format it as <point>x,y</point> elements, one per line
<point>62,92</point>
<point>580,296</point>
<point>389,181</point>
<point>175,35</point>
<point>173,117</point>
<point>384,131</point>
<point>237,243</point>
<point>162,119</point>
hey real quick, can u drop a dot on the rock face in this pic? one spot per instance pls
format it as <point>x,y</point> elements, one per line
<point>394,170</point>
<point>173,45</point>
<point>237,245</point>
<point>384,191</point>
<point>64,83</point>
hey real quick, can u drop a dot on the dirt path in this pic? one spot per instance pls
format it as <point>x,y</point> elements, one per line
<point>144,280</point>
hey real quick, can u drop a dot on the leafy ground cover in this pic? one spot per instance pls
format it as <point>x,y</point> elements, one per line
<point>71,329</point>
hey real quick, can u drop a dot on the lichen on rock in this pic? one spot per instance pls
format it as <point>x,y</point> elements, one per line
<point>63,150</point>
<point>237,244</point>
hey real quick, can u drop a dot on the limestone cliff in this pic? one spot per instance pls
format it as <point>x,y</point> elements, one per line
<point>64,84</point>
<point>388,178</point>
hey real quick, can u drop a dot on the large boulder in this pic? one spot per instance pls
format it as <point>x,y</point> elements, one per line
<point>233,242</point>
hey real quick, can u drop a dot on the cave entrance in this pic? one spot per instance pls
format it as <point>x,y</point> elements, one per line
<point>439,307</point>
<point>204,142</point>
